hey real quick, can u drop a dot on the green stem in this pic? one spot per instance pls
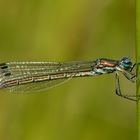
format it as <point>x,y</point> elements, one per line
<point>138,59</point>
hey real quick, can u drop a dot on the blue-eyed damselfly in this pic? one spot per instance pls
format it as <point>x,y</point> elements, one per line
<point>37,76</point>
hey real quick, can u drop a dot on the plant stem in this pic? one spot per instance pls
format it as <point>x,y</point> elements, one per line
<point>138,59</point>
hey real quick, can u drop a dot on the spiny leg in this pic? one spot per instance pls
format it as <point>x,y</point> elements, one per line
<point>135,76</point>
<point>129,75</point>
<point>135,66</point>
<point>118,90</point>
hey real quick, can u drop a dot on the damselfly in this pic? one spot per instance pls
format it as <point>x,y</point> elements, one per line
<point>37,76</point>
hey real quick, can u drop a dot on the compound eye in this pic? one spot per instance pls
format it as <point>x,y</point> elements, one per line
<point>126,63</point>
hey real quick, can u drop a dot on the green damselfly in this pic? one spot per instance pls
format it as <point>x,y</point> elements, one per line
<point>25,77</point>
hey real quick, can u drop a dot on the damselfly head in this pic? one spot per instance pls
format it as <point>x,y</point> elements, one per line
<point>125,63</point>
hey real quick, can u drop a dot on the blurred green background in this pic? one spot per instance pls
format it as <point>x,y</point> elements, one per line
<point>50,30</point>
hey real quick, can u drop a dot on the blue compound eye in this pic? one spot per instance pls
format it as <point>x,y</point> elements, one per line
<point>126,63</point>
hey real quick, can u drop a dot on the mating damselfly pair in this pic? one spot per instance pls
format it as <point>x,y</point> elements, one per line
<point>25,77</point>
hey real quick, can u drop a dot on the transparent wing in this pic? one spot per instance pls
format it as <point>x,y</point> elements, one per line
<point>36,87</point>
<point>39,76</point>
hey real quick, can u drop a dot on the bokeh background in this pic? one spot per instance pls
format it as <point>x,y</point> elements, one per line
<point>59,30</point>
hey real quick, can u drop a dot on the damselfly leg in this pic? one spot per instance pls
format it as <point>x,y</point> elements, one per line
<point>119,92</point>
<point>131,75</point>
